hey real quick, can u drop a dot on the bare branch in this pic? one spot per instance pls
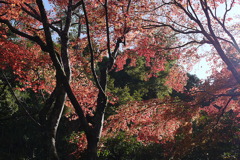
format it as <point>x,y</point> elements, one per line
<point>68,18</point>
<point>190,4</point>
<point>91,50</point>
<point>236,94</point>
<point>32,38</point>
<point>128,6</point>
<point>38,17</point>
<point>32,9</point>
<point>222,24</point>
<point>171,27</point>
<point>227,10</point>
<point>77,5</point>
<point>185,44</point>
<point>34,15</point>
<point>223,110</point>
<point>158,7</point>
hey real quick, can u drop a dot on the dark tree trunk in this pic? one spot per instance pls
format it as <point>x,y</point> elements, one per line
<point>92,146</point>
<point>54,122</point>
<point>94,134</point>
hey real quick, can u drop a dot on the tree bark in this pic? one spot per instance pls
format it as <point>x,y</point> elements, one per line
<point>92,146</point>
<point>54,120</point>
<point>94,134</point>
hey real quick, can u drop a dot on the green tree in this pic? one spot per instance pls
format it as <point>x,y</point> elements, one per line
<point>123,147</point>
<point>133,84</point>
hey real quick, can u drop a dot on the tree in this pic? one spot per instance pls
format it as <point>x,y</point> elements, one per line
<point>199,23</point>
<point>96,36</point>
<point>20,131</point>
<point>215,131</point>
<point>125,147</point>
<point>199,128</point>
<point>133,83</point>
<point>205,25</point>
<point>115,25</point>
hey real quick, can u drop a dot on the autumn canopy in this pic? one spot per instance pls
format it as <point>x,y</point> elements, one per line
<point>109,79</point>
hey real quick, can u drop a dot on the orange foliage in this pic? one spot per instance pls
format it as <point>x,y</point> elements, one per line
<point>151,121</point>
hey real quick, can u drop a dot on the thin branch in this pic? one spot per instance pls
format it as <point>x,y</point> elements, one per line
<point>171,27</point>
<point>101,3</point>
<point>161,24</point>
<point>36,39</point>
<point>225,40</point>
<point>128,6</point>
<point>220,95</point>
<point>32,9</point>
<point>227,10</point>
<point>164,4</point>
<point>18,101</point>
<point>91,50</point>
<point>185,11</point>
<point>77,5</point>
<point>203,31</point>
<point>185,44</point>
<point>68,18</point>
<point>107,29</point>
<point>34,15</point>
<point>209,24</point>
<point>190,4</point>
<point>222,24</point>
<point>223,110</point>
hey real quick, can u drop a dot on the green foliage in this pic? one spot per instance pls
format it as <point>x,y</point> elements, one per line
<point>20,137</point>
<point>19,134</point>
<point>8,105</point>
<point>222,143</point>
<point>123,147</point>
<point>132,83</point>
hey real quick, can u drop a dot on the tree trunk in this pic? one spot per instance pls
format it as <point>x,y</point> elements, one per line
<point>54,120</point>
<point>94,134</point>
<point>92,146</point>
<point>56,113</point>
<point>93,137</point>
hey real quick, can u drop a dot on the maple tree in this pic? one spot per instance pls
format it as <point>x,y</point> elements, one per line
<point>199,23</point>
<point>205,25</point>
<point>99,36</point>
<point>218,122</point>
<point>197,128</point>
<point>68,51</point>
